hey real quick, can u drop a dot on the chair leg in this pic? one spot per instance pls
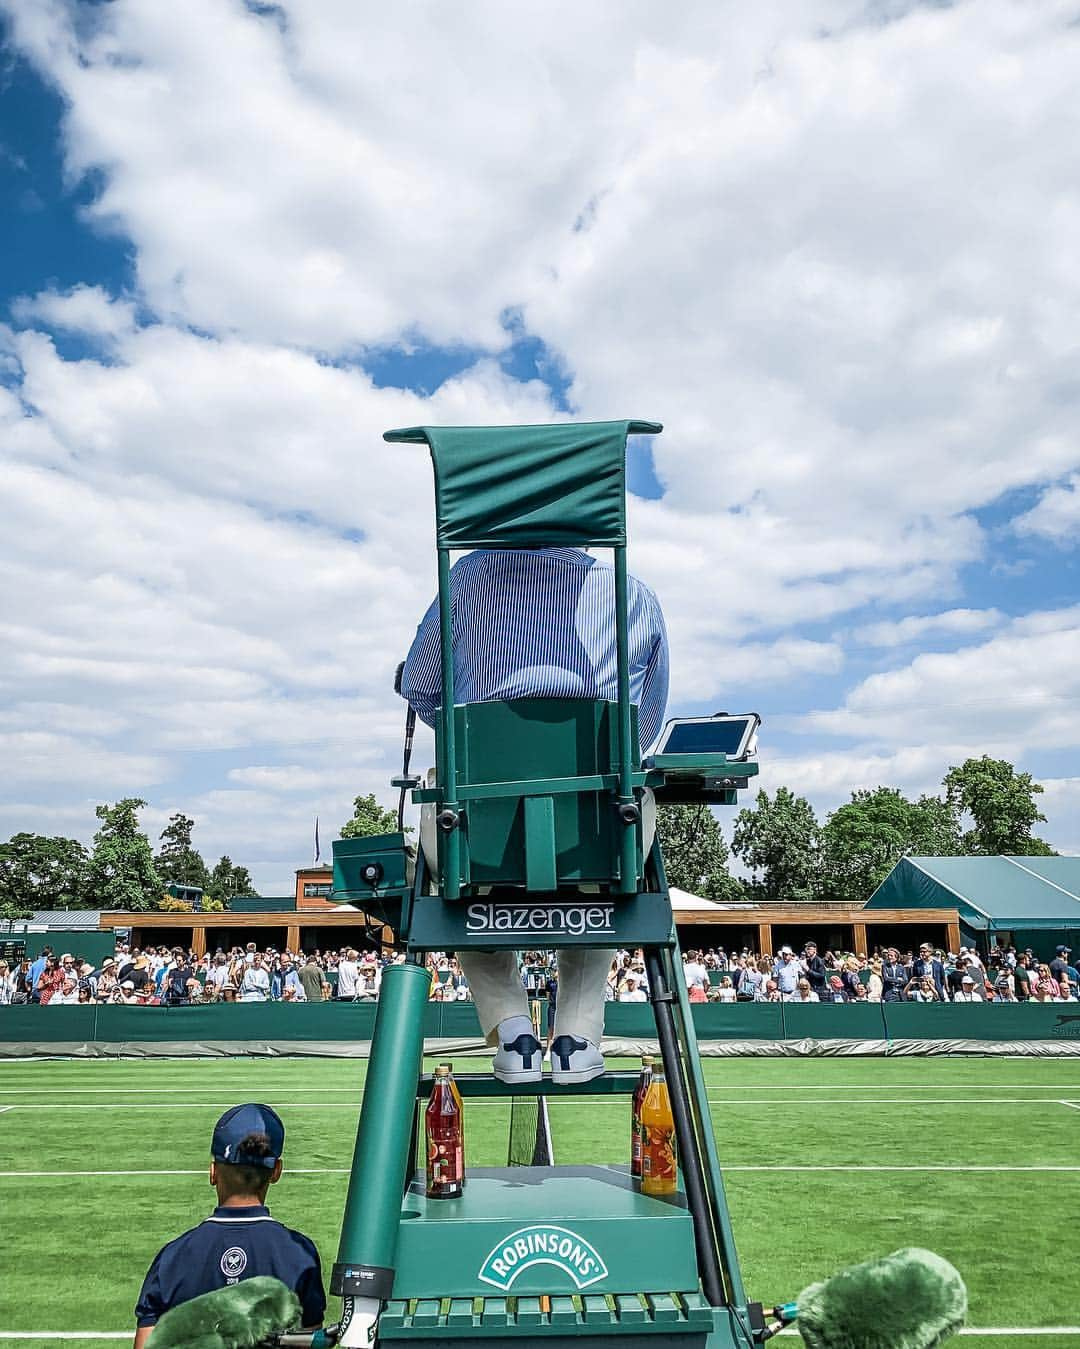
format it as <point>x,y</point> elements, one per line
<point>712,1283</point>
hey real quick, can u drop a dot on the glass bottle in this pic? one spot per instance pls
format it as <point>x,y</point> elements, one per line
<point>635,1115</point>
<point>445,1139</point>
<point>659,1162</point>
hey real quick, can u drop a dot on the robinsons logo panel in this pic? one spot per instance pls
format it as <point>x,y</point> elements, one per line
<point>543,1244</point>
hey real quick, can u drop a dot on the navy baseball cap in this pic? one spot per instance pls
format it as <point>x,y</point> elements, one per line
<point>1063,950</point>
<point>240,1122</point>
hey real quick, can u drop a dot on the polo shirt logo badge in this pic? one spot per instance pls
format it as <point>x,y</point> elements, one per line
<point>233,1263</point>
<point>543,1244</point>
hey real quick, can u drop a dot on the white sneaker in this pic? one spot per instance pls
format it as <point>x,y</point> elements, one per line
<point>519,1060</point>
<point>574,1060</point>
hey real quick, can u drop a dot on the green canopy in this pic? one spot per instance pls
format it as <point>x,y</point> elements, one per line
<point>1026,894</point>
<point>529,486</point>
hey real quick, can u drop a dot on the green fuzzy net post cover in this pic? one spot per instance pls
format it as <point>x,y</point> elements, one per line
<point>237,1317</point>
<point>912,1299</point>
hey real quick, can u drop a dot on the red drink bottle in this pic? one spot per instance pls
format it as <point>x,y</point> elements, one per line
<point>445,1140</point>
<point>635,1116</point>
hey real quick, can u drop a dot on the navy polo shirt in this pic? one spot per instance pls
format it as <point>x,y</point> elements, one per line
<point>232,1244</point>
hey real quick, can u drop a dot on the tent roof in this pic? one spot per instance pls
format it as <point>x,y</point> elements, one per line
<point>682,901</point>
<point>989,892</point>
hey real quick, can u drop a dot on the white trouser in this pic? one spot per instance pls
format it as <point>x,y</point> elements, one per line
<point>498,991</point>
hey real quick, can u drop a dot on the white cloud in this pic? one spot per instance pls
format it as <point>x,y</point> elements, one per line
<point>833,251</point>
<point>902,631</point>
<point>1057,513</point>
<point>1018,691</point>
<point>83,309</point>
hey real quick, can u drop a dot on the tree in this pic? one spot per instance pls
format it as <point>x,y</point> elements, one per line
<point>863,840</point>
<point>1001,803</point>
<point>695,854</point>
<point>369,818</point>
<point>177,862</point>
<point>121,874</point>
<point>781,839</point>
<point>39,872</point>
<point>227,880</point>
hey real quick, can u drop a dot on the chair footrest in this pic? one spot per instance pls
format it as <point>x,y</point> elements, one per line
<point>524,1317</point>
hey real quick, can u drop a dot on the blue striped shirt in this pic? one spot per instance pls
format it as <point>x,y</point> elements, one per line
<point>540,623</point>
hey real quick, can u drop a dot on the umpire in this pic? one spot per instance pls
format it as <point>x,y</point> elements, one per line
<point>240,1239</point>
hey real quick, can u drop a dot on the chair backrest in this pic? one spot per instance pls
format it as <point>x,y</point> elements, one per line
<point>535,830</point>
<point>530,487</point>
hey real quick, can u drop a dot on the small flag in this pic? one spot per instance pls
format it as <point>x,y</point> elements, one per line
<point>317,854</point>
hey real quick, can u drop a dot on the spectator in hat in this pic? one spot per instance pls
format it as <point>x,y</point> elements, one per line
<point>788,974</point>
<point>968,991</point>
<point>1022,980</point>
<point>1062,968</point>
<point>240,1240</point>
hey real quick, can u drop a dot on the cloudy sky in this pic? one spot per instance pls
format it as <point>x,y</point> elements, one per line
<point>831,246</point>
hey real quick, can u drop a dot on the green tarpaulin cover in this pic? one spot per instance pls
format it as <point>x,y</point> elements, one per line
<point>529,486</point>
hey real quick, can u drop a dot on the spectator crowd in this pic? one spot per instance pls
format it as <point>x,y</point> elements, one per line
<point>889,975</point>
<point>178,977</point>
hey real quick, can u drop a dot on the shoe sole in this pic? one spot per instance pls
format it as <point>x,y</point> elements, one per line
<point>570,1079</point>
<point>513,1078</point>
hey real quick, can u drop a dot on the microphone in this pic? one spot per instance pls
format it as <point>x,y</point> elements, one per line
<point>238,1316</point>
<point>911,1299</point>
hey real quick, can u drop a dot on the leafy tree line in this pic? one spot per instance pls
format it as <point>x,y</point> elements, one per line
<point>118,871</point>
<point>986,808</point>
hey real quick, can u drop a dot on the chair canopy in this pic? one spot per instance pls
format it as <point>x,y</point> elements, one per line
<point>529,486</point>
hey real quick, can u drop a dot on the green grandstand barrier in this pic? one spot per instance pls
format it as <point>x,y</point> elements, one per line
<point>835,1021</point>
<point>355,1022</point>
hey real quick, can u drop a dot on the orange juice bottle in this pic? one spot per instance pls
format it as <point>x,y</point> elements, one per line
<point>635,1116</point>
<point>659,1171</point>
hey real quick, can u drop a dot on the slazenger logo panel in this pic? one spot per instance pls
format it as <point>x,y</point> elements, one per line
<point>578,920</point>
<point>543,1244</point>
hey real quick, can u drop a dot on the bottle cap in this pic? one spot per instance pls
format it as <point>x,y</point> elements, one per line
<point>647,1060</point>
<point>442,1070</point>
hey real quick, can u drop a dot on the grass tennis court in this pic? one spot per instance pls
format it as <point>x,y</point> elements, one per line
<point>828,1161</point>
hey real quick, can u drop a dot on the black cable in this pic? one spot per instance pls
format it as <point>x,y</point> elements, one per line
<point>410,726</point>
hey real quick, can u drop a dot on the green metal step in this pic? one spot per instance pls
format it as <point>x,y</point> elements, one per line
<point>675,1313</point>
<point>483,1084</point>
<point>526,1232</point>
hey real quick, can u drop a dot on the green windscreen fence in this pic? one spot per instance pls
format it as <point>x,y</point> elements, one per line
<point>266,1023</point>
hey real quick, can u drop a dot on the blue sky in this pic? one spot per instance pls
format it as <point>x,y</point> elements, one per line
<point>831,254</point>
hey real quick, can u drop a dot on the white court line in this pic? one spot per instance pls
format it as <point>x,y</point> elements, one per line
<point>772,1166</point>
<point>993,1330</point>
<point>1073,1105</point>
<point>727,1097</point>
<point>791,1330</point>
